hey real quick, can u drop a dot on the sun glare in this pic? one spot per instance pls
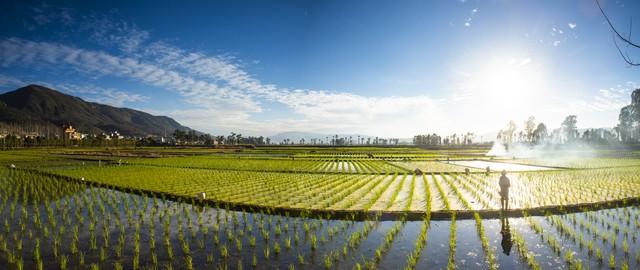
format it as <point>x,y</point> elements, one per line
<point>512,84</point>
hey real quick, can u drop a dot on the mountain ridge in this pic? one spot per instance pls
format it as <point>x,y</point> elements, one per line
<point>42,105</point>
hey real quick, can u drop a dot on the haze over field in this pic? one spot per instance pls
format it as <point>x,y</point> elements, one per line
<point>328,67</point>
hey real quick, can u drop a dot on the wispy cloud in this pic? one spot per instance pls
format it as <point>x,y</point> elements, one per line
<point>223,88</point>
<point>221,95</point>
<point>102,29</point>
<point>572,25</point>
<point>10,81</point>
<point>606,100</point>
<point>110,96</point>
<point>47,14</point>
<point>110,32</point>
<point>19,52</point>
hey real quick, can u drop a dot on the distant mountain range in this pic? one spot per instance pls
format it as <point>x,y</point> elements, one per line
<point>35,104</point>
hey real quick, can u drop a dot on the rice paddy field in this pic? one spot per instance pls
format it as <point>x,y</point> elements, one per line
<point>315,208</point>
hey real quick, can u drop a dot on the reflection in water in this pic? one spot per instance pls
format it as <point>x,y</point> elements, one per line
<point>506,235</point>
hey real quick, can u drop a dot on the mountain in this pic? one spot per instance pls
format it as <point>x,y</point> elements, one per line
<point>35,104</point>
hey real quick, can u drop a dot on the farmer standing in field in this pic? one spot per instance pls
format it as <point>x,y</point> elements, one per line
<point>504,190</point>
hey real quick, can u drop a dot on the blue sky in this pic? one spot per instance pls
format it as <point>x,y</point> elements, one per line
<point>386,68</point>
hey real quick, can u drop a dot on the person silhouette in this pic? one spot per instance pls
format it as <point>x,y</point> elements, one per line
<point>506,235</point>
<point>504,183</point>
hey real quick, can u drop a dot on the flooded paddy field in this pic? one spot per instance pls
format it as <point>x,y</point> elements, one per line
<point>145,213</point>
<point>84,226</point>
<point>499,166</point>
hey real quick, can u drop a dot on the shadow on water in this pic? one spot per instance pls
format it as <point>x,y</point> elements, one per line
<point>505,231</point>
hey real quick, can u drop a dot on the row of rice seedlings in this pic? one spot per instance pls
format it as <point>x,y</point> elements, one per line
<point>569,230</point>
<point>335,194</point>
<point>384,246</point>
<point>443,196</point>
<point>186,247</point>
<point>378,193</point>
<point>421,240</point>
<point>350,243</point>
<point>350,200</point>
<point>339,196</point>
<point>527,256</point>
<point>488,251</point>
<point>246,164</point>
<point>555,244</point>
<point>571,187</point>
<point>395,193</point>
<point>411,191</point>
<point>451,264</point>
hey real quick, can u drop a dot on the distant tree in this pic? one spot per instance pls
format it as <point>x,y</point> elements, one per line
<point>629,120</point>
<point>507,136</point>
<point>180,135</point>
<point>231,138</point>
<point>192,136</point>
<point>529,129</point>
<point>569,128</point>
<point>540,134</point>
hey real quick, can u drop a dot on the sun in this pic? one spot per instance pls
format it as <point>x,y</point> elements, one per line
<point>508,81</point>
<point>513,84</point>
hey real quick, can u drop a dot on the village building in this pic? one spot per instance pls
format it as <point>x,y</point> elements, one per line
<point>71,133</point>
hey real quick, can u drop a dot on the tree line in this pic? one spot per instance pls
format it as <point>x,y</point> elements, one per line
<point>435,139</point>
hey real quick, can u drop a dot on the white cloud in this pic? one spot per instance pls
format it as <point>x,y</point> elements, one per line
<point>223,97</point>
<point>109,32</point>
<point>9,81</point>
<point>110,96</point>
<point>19,52</point>
<point>47,14</point>
<point>572,25</point>
<point>223,91</point>
<point>102,29</point>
